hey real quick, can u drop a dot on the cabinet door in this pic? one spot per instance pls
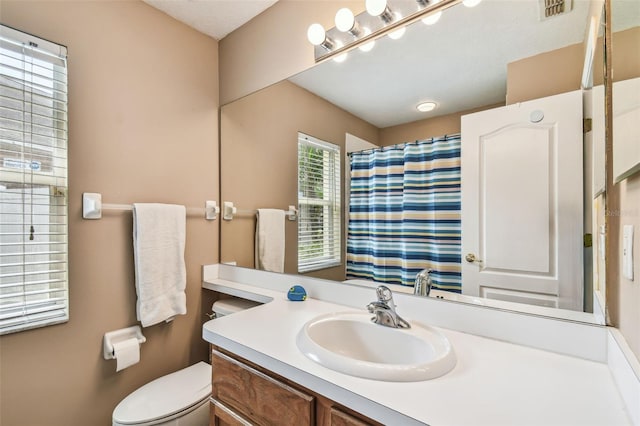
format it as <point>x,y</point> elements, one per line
<point>224,416</point>
<point>258,397</point>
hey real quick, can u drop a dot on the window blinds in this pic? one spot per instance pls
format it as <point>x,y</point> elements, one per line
<point>319,204</point>
<point>33,182</point>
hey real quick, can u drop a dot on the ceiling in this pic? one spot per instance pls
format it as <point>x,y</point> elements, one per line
<point>216,18</point>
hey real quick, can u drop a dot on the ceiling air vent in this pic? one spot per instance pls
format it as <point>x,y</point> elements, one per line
<point>550,8</point>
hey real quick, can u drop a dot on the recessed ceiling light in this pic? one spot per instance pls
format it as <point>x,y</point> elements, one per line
<point>426,106</point>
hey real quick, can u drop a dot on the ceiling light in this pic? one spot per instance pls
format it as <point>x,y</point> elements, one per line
<point>471,3</point>
<point>426,106</point>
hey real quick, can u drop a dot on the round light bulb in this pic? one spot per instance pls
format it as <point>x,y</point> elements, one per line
<point>395,35</point>
<point>432,19</point>
<point>376,7</point>
<point>345,19</point>
<point>426,106</point>
<point>316,34</point>
<point>369,45</point>
<point>471,3</point>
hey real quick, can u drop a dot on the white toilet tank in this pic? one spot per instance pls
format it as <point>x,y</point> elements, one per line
<point>177,399</point>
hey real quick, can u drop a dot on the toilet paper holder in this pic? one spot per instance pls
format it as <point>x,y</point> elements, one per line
<point>116,336</point>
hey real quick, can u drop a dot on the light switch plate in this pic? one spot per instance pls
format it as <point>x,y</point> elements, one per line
<point>627,252</point>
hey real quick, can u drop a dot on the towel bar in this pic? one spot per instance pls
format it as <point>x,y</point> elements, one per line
<point>92,207</point>
<point>229,211</point>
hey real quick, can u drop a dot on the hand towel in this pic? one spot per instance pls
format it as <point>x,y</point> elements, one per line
<point>158,249</point>
<point>269,253</point>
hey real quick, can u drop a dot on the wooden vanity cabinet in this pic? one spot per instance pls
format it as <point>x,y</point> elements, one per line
<point>245,394</point>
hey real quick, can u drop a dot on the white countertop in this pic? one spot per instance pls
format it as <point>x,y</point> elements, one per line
<point>493,383</point>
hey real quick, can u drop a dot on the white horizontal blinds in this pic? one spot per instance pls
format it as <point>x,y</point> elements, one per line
<point>319,204</point>
<point>33,182</point>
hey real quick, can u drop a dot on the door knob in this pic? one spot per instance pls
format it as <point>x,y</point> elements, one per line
<point>471,258</point>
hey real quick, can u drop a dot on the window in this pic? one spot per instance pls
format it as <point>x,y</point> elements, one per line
<point>319,204</point>
<point>33,182</point>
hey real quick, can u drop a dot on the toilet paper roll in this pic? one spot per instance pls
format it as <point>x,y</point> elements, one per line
<point>127,353</point>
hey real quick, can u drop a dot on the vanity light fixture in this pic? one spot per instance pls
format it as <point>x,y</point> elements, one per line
<point>381,18</point>
<point>426,106</point>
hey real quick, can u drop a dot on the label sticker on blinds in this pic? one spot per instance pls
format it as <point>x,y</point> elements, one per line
<point>11,163</point>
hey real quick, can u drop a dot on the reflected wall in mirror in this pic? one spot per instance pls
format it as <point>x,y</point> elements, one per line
<point>623,295</point>
<point>497,55</point>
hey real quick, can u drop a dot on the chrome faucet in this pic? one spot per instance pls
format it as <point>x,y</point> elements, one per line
<point>385,310</point>
<point>423,284</point>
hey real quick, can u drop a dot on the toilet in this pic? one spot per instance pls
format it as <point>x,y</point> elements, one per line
<point>179,398</point>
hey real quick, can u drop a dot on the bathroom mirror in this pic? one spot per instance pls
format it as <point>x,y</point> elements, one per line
<point>498,53</point>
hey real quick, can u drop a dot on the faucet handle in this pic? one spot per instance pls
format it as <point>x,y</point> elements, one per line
<point>384,293</point>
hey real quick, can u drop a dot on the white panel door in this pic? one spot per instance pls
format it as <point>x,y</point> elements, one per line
<point>522,202</point>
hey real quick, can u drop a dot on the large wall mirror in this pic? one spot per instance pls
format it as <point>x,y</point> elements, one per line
<point>497,55</point>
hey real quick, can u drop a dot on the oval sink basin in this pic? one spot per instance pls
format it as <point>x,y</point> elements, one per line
<point>350,343</point>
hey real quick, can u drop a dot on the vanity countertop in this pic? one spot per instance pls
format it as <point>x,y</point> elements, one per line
<point>493,382</point>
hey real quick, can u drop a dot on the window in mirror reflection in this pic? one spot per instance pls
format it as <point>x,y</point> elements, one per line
<point>318,203</point>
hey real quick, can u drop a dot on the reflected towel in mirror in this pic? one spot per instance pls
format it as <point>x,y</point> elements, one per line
<point>269,248</point>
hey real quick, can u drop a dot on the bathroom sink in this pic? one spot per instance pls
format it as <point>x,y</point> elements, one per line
<point>350,343</point>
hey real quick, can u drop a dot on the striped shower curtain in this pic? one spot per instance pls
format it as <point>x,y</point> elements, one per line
<point>404,213</point>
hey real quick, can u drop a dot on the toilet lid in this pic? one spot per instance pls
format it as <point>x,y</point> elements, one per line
<point>166,395</point>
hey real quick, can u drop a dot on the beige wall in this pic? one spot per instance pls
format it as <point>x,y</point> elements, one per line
<point>546,74</point>
<point>260,137</point>
<point>428,128</point>
<point>143,123</point>
<point>623,295</point>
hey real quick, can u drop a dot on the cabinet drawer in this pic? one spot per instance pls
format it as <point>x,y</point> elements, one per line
<point>257,397</point>
<point>225,416</point>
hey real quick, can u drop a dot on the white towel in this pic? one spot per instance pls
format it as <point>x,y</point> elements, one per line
<point>270,240</point>
<point>158,249</point>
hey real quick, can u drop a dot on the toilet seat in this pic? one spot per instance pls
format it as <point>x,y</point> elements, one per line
<point>166,397</point>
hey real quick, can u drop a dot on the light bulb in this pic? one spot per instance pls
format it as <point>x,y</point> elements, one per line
<point>316,34</point>
<point>369,45</point>
<point>471,3</point>
<point>395,35</point>
<point>426,106</point>
<point>345,19</point>
<point>341,57</point>
<point>376,7</point>
<point>432,19</point>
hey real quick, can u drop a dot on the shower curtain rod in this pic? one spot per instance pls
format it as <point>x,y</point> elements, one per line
<point>403,144</point>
